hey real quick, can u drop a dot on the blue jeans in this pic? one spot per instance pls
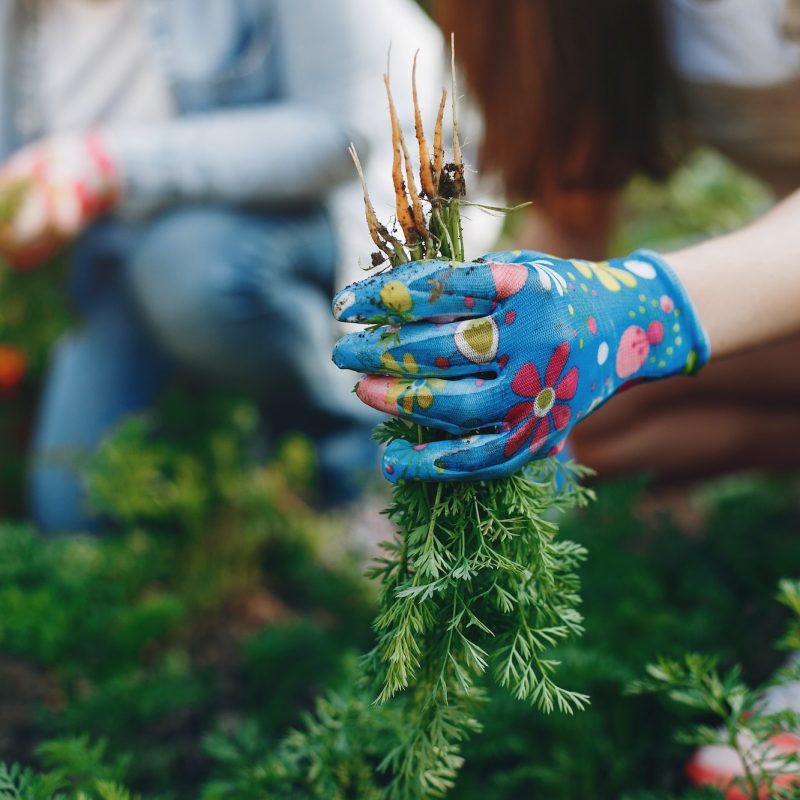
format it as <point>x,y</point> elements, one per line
<point>239,299</point>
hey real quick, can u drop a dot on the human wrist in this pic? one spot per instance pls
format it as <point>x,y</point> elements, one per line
<point>705,280</point>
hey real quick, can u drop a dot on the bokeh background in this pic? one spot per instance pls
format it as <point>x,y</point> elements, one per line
<point>175,655</point>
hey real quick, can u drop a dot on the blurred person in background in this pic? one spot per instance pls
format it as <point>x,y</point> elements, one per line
<point>577,97</point>
<point>580,96</point>
<point>191,156</point>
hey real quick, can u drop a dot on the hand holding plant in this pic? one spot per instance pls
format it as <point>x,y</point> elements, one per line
<point>517,347</point>
<point>475,582</point>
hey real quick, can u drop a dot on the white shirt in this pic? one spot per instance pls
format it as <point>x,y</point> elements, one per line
<point>734,42</point>
<point>96,66</point>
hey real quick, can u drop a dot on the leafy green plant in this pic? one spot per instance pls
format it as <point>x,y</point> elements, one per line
<point>706,196</point>
<point>212,582</point>
<point>648,588</point>
<point>334,754</point>
<point>474,581</point>
<point>741,721</point>
<point>73,769</point>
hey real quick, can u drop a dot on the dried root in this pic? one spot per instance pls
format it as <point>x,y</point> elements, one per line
<point>458,160</point>
<point>405,216</point>
<point>385,242</point>
<point>425,169</point>
<point>438,145</point>
<point>438,235</point>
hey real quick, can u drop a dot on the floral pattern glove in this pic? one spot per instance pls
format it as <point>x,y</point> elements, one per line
<point>509,352</point>
<point>49,192</point>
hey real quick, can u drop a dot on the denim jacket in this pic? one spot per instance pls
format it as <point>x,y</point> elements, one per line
<point>269,95</point>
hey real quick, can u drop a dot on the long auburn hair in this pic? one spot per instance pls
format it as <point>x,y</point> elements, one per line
<point>573,92</point>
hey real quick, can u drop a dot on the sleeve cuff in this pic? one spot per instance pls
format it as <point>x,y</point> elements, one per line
<point>701,348</point>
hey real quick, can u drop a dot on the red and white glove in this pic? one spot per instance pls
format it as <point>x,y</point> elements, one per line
<point>720,766</point>
<point>49,192</point>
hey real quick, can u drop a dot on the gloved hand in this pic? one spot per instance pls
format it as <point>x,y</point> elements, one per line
<point>518,346</point>
<point>49,192</point>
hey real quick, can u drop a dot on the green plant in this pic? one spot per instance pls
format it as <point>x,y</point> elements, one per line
<point>741,721</point>
<point>73,769</point>
<point>706,196</point>
<point>474,581</point>
<point>333,754</point>
<point>211,584</point>
<point>648,589</point>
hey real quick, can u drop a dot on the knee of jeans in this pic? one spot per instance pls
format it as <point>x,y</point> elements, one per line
<point>193,278</point>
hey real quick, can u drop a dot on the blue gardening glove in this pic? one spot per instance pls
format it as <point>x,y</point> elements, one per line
<point>518,346</point>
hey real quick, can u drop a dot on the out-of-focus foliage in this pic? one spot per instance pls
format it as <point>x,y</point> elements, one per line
<point>742,721</point>
<point>649,589</point>
<point>72,769</point>
<point>206,601</point>
<point>117,639</point>
<point>706,196</point>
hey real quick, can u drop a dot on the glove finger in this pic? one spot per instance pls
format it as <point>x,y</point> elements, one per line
<point>457,407</point>
<point>422,349</point>
<point>425,290</point>
<point>480,457</point>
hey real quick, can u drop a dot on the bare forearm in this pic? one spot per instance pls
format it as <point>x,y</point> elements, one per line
<point>746,285</point>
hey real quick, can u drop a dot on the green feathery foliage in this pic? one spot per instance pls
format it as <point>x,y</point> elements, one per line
<point>742,723</point>
<point>332,755</point>
<point>474,582</point>
<point>485,558</point>
<point>74,769</point>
